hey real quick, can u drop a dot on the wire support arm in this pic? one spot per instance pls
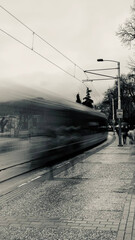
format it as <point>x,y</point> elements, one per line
<point>99,74</point>
<point>98,79</point>
<point>100,69</point>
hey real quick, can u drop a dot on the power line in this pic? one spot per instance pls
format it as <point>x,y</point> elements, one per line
<point>39,54</point>
<point>15,39</point>
<point>34,33</point>
<point>93,87</point>
<point>32,49</point>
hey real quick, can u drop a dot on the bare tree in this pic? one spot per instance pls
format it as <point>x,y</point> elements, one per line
<point>126,31</point>
<point>127,100</point>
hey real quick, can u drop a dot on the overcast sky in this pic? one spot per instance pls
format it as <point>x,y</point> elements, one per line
<point>83,30</point>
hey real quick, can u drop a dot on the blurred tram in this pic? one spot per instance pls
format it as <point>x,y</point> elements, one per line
<point>40,128</point>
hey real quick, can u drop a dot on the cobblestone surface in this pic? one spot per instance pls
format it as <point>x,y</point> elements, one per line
<point>93,199</point>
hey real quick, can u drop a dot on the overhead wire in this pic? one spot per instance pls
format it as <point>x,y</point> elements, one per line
<point>34,33</point>
<point>40,37</point>
<point>93,87</point>
<point>39,54</point>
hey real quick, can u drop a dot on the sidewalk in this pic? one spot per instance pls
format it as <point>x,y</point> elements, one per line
<point>91,197</point>
<point>126,230</point>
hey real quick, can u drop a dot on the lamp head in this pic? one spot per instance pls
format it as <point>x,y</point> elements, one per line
<point>100,60</point>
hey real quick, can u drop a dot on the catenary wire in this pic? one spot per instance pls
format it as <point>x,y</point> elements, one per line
<point>25,45</point>
<point>39,36</point>
<point>99,94</point>
<point>35,34</point>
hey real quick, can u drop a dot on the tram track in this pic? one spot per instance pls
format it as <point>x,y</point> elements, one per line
<point>10,171</point>
<point>34,177</point>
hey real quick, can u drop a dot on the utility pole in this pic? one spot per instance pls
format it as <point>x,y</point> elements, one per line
<point>113,118</point>
<point>108,77</point>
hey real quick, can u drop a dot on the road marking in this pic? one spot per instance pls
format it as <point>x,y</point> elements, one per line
<point>22,184</point>
<point>29,181</point>
<point>34,179</point>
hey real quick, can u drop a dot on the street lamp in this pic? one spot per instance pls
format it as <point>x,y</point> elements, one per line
<point>119,110</point>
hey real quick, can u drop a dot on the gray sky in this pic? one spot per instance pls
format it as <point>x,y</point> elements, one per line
<point>83,30</point>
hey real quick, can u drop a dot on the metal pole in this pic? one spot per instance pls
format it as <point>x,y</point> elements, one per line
<point>113,118</point>
<point>119,104</point>
<point>119,97</point>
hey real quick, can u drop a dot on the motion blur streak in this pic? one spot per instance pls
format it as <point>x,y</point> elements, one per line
<point>36,128</point>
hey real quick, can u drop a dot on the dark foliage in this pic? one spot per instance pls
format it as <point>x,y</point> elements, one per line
<point>87,100</point>
<point>78,100</point>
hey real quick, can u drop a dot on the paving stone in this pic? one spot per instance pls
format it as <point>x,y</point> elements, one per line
<point>120,235</point>
<point>122,227</point>
<point>128,237</point>
<point>81,202</point>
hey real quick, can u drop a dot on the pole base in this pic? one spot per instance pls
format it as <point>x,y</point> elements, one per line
<point>120,145</point>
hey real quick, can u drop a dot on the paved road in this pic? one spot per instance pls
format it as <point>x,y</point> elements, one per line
<point>90,197</point>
